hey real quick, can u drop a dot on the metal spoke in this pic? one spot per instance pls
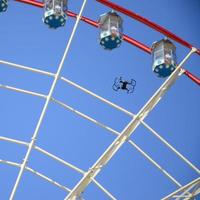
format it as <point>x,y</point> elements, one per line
<point>126,133</point>
<point>34,137</point>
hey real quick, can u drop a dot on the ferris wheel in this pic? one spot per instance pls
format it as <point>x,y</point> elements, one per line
<point>165,66</point>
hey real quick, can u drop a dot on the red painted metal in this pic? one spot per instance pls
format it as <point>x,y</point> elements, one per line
<point>32,2</point>
<point>192,77</point>
<point>137,43</point>
<point>147,22</point>
<point>85,19</point>
<point>69,13</point>
<point>93,23</point>
<point>125,37</point>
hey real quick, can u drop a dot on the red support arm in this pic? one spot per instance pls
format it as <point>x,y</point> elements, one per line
<point>147,22</point>
<point>192,77</point>
<point>93,23</point>
<point>32,2</point>
<point>85,19</point>
<point>137,43</point>
<point>125,37</point>
<point>69,13</point>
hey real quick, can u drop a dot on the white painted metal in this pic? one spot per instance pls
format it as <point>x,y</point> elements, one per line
<point>22,91</point>
<point>111,130</point>
<point>44,152</point>
<point>171,148</point>
<point>189,189</point>
<point>27,68</point>
<point>66,189</point>
<point>107,102</point>
<point>103,126</point>
<point>182,189</point>
<point>125,134</point>
<point>183,195</point>
<point>155,163</point>
<point>94,121</point>
<point>32,143</point>
<point>67,164</point>
<point>69,82</point>
<point>59,103</point>
<point>81,171</point>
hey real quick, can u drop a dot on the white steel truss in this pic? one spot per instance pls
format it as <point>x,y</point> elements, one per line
<point>126,133</point>
<point>35,134</point>
<point>98,123</point>
<point>97,97</point>
<point>184,192</point>
<point>193,187</point>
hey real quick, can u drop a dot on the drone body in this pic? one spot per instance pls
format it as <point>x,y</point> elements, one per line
<point>120,84</point>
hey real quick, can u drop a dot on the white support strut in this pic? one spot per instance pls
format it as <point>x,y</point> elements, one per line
<point>104,101</point>
<point>66,189</point>
<point>99,124</point>
<point>91,120</point>
<point>50,155</point>
<point>126,133</point>
<point>35,134</point>
<point>94,121</point>
<point>183,189</point>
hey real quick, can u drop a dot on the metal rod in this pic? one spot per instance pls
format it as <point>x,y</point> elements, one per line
<point>184,193</point>
<point>34,137</point>
<point>85,116</point>
<point>103,189</point>
<point>33,3</point>
<point>67,164</point>
<point>194,182</point>
<point>22,91</point>
<point>84,19</point>
<point>98,97</point>
<point>69,82</point>
<point>82,172</point>
<point>23,67</point>
<point>155,163</point>
<point>137,44</point>
<point>171,147</point>
<point>147,22</point>
<point>112,131</point>
<point>109,129</point>
<point>61,104</point>
<point>192,77</point>
<point>125,37</point>
<point>193,193</point>
<point>93,23</point>
<point>66,189</point>
<point>126,133</point>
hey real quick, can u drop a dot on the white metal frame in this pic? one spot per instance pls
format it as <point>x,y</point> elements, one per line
<point>193,187</point>
<point>185,192</point>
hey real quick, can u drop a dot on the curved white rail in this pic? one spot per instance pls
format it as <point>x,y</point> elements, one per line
<point>103,100</point>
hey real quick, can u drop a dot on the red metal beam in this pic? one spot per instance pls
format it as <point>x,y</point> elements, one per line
<point>125,37</point>
<point>85,19</point>
<point>147,22</point>
<point>69,13</point>
<point>137,43</point>
<point>32,2</point>
<point>192,77</point>
<point>93,23</point>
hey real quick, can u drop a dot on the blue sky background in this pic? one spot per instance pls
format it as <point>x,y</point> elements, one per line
<point>26,40</point>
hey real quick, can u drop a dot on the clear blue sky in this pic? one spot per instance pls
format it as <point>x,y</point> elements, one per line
<point>24,39</point>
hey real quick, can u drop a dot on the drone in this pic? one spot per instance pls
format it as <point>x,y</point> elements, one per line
<point>120,84</point>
